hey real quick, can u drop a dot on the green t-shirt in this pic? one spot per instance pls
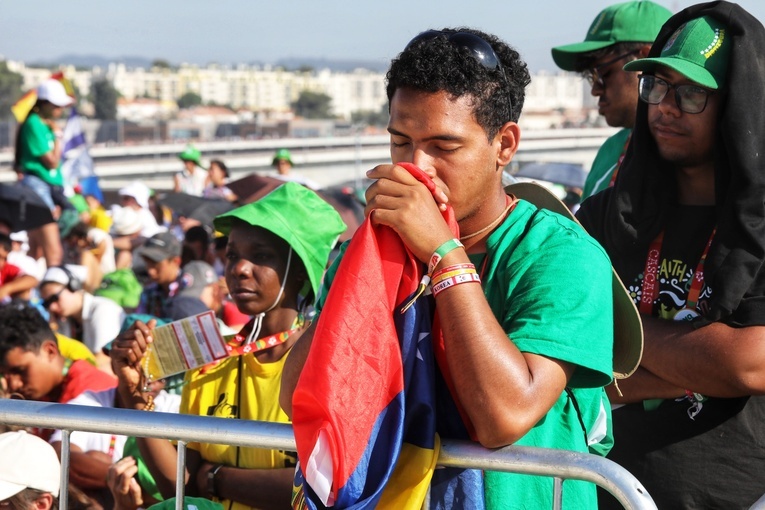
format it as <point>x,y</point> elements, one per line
<point>549,286</point>
<point>36,140</point>
<point>605,163</point>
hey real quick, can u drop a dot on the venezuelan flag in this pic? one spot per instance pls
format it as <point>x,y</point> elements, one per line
<point>364,409</point>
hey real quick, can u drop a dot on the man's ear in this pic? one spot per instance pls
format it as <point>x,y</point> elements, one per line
<point>643,51</point>
<point>508,137</point>
<point>50,348</point>
<point>44,501</point>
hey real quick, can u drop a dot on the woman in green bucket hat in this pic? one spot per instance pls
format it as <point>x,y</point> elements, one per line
<point>277,250</point>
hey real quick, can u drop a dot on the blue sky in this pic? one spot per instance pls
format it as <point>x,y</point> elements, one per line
<point>231,31</point>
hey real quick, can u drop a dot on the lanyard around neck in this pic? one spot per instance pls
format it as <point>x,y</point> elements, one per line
<point>649,290</point>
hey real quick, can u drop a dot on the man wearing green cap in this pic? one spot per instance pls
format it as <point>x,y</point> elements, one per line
<point>685,228</point>
<point>191,180</point>
<point>283,164</point>
<point>619,33</point>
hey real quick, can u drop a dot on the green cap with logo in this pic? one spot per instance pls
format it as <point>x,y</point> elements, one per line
<point>619,23</point>
<point>299,216</point>
<point>699,50</point>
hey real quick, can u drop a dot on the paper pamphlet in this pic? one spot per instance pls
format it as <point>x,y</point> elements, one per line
<point>184,344</point>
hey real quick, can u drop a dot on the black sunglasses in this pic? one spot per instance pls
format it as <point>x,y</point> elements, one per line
<point>53,298</point>
<point>479,48</point>
<point>595,75</point>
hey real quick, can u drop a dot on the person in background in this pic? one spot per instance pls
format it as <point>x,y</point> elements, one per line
<point>32,365</point>
<point>96,319</point>
<point>14,282</point>
<point>30,473</point>
<point>38,159</point>
<point>78,251</point>
<point>162,256</point>
<point>685,228</point>
<point>126,236</point>
<point>283,164</point>
<point>217,176</point>
<point>275,259</point>
<point>99,217</point>
<point>191,180</point>
<point>136,196</point>
<point>196,245</point>
<point>620,33</point>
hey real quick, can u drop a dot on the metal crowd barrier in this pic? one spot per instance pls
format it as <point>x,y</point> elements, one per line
<point>557,464</point>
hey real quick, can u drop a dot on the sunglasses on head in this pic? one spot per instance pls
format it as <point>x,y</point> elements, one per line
<point>53,298</point>
<point>689,98</point>
<point>478,47</point>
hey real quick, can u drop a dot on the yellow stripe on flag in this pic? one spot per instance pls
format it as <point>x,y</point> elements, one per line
<point>409,483</point>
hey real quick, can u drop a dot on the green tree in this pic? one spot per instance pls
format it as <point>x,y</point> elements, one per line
<point>10,89</point>
<point>313,105</point>
<point>161,63</point>
<point>104,96</point>
<point>188,100</point>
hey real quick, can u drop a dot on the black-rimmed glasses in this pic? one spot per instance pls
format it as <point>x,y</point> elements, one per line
<point>689,98</point>
<point>53,298</point>
<point>478,47</point>
<point>595,75</point>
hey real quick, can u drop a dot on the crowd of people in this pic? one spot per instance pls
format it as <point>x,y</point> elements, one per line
<point>532,338</point>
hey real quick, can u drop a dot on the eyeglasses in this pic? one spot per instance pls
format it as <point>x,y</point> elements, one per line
<point>53,298</point>
<point>689,98</point>
<point>479,48</point>
<point>595,75</point>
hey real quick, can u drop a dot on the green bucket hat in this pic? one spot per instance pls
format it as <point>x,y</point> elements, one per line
<point>282,154</point>
<point>299,216</point>
<point>189,503</point>
<point>699,50</point>
<point>618,23</point>
<point>191,153</point>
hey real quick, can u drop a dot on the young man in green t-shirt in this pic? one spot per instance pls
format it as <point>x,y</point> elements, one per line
<point>530,346</point>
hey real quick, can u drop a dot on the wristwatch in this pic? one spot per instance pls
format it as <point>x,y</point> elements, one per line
<point>211,480</point>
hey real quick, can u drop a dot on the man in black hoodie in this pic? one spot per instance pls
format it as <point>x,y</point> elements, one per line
<point>685,228</point>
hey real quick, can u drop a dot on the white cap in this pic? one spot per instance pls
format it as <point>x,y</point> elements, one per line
<point>20,236</point>
<point>137,190</point>
<point>56,274</point>
<point>26,461</point>
<point>125,222</point>
<point>53,91</point>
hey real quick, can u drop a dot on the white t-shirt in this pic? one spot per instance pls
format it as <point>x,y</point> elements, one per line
<point>96,236</point>
<point>193,184</point>
<point>111,444</point>
<point>101,321</point>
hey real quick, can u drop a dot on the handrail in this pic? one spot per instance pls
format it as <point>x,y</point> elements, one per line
<point>558,464</point>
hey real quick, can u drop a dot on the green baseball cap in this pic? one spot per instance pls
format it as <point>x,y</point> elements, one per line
<point>625,22</point>
<point>191,153</point>
<point>299,216</point>
<point>282,154</point>
<point>699,50</point>
<point>189,503</point>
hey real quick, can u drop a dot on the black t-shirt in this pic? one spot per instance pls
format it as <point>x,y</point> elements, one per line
<point>693,452</point>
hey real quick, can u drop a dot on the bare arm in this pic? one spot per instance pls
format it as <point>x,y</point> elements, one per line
<point>503,391</point>
<point>715,360</point>
<point>18,285</point>
<point>642,385</point>
<point>87,470</point>
<point>258,488</point>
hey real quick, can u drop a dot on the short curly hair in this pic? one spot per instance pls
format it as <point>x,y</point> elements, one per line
<point>21,325</point>
<point>435,64</point>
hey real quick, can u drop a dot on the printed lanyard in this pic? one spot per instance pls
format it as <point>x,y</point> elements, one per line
<point>619,163</point>
<point>650,285</point>
<point>237,347</point>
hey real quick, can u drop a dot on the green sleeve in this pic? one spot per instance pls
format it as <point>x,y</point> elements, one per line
<point>605,163</point>
<point>329,276</point>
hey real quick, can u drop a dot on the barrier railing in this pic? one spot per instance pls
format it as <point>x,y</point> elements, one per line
<point>558,464</point>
